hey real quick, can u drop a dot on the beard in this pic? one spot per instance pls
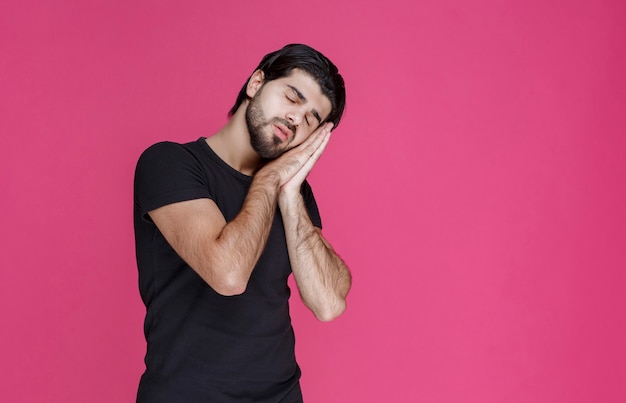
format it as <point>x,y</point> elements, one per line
<point>262,139</point>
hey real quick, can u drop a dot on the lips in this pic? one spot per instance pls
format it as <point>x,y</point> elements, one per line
<point>282,132</point>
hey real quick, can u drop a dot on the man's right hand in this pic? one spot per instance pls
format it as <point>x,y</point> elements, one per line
<point>291,168</point>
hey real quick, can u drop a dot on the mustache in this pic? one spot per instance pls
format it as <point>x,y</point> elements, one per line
<point>285,123</point>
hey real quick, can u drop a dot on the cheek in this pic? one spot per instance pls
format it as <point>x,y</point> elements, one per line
<point>301,135</point>
<point>272,106</point>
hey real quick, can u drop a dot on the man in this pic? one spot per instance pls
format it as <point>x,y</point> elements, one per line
<point>221,223</point>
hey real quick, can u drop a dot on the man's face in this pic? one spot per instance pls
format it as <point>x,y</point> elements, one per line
<point>284,112</point>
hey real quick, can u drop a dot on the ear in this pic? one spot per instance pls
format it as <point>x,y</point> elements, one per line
<point>255,82</point>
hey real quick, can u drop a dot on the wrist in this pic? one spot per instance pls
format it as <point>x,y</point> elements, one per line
<point>267,178</point>
<point>288,198</point>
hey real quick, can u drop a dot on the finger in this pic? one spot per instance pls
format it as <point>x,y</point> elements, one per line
<point>304,156</point>
<point>325,138</point>
<point>307,166</point>
<point>317,138</point>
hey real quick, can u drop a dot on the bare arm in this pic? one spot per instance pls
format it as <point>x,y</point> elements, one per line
<point>321,275</point>
<point>224,254</point>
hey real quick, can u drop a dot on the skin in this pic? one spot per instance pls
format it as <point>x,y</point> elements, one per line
<point>284,121</point>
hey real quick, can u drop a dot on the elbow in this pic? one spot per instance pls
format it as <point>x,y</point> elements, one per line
<point>331,308</point>
<point>331,313</point>
<point>229,290</point>
<point>228,285</point>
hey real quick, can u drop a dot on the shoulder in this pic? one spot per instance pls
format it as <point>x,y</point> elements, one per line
<point>166,149</point>
<point>167,155</point>
<point>168,162</point>
<point>169,172</point>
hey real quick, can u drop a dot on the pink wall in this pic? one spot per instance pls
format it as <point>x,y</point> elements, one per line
<point>476,187</point>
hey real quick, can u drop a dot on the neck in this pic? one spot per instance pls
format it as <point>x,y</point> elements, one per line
<point>232,144</point>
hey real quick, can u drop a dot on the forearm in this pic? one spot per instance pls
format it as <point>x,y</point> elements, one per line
<point>240,243</point>
<point>321,275</point>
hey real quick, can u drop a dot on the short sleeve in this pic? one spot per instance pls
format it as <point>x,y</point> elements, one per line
<point>168,173</point>
<point>311,205</point>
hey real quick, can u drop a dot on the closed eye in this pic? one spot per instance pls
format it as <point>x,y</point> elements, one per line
<point>301,98</point>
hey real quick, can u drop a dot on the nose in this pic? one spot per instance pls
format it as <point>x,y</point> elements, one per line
<point>295,117</point>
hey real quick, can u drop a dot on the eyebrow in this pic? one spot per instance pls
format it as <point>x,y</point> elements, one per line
<point>303,99</point>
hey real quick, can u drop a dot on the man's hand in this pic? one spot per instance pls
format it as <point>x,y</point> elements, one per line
<point>292,168</point>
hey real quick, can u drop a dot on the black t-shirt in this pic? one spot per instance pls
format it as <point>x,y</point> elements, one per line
<point>202,346</point>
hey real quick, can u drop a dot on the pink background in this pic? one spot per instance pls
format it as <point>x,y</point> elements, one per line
<point>476,187</point>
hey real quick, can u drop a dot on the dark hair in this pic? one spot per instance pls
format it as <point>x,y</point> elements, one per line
<point>280,63</point>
